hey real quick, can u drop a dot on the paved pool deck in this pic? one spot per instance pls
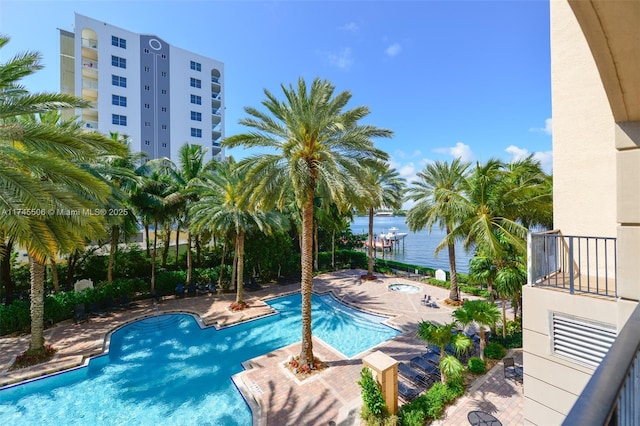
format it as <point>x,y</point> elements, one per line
<point>275,396</point>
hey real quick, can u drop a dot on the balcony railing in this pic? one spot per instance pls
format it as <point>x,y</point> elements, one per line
<point>215,80</point>
<point>91,124</point>
<point>612,395</point>
<point>90,64</point>
<point>89,84</point>
<point>215,95</point>
<point>575,263</point>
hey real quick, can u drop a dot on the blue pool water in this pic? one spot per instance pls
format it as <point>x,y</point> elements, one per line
<point>167,370</point>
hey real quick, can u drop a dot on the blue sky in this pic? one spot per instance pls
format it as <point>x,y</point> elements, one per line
<point>450,78</point>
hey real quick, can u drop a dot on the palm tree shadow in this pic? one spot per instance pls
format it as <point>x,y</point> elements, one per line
<point>292,411</point>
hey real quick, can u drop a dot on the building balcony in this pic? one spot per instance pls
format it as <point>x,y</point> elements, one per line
<point>215,80</point>
<point>576,264</point>
<point>93,125</point>
<point>89,42</point>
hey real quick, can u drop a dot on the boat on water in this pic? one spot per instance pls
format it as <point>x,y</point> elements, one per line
<point>394,235</point>
<point>384,213</point>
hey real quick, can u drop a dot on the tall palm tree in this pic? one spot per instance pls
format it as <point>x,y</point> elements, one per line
<point>443,336</point>
<point>439,198</point>
<point>219,210</point>
<point>479,312</point>
<point>319,146</point>
<point>385,190</point>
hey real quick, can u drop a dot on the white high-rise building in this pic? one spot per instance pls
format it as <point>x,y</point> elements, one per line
<point>159,95</point>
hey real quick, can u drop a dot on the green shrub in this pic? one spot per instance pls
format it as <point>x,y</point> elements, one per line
<point>477,366</point>
<point>374,410</point>
<point>494,350</point>
<point>15,317</point>
<point>167,281</point>
<point>410,415</point>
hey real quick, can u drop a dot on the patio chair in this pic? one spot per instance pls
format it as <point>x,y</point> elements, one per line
<point>407,393</point>
<point>419,379</point>
<point>511,370</point>
<point>252,285</point>
<point>424,365</point>
<point>202,290</point>
<point>96,311</point>
<point>79,313</point>
<point>180,290</point>
<point>191,290</point>
<point>212,288</point>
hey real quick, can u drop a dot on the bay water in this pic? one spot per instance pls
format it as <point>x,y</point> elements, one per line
<point>418,248</point>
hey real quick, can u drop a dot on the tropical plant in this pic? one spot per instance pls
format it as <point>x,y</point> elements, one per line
<point>477,365</point>
<point>319,147</point>
<point>43,183</point>
<point>439,196</point>
<point>385,190</point>
<point>494,350</point>
<point>375,409</point>
<point>219,210</point>
<point>479,312</point>
<point>443,336</point>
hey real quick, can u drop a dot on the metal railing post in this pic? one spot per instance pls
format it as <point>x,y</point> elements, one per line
<point>571,290</point>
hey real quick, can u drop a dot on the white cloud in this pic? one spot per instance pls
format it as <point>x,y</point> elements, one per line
<point>393,50</point>
<point>460,150</point>
<point>403,154</point>
<point>548,128</point>
<point>517,153</point>
<point>342,59</point>
<point>352,27</point>
<point>544,157</point>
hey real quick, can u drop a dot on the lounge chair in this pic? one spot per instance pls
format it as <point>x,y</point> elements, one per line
<point>432,357</point>
<point>80,314</point>
<point>180,290</point>
<point>202,290</point>
<point>212,288</point>
<point>96,311</point>
<point>420,379</point>
<point>424,365</point>
<point>252,285</point>
<point>191,290</point>
<point>407,393</point>
<point>125,303</point>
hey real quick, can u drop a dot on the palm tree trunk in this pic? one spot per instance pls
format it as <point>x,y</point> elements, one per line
<point>115,234</point>
<point>198,250</point>
<point>177,241</point>
<point>240,251</point>
<point>224,253</point>
<point>333,249</point>
<point>490,289</point>
<point>166,242</point>
<point>370,245</point>
<point>504,317</point>
<point>453,274</point>
<point>189,266</point>
<point>306,350</point>
<point>154,255</point>
<point>483,342</point>
<point>5,271</point>
<point>37,304</point>
<point>146,238</point>
<point>234,268</point>
<point>54,276</point>
<point>315,246</point>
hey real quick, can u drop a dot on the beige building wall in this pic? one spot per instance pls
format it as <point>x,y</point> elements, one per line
<point>587,172</point>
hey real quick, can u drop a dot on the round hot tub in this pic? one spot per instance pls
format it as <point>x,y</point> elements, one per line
<point>404,288</point>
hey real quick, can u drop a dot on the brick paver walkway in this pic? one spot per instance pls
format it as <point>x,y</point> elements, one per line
<point>275,396</point>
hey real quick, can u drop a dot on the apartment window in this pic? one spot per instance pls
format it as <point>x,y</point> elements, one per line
<point>119,100</point>
<point>118,42</point>
<point>197,116</point>
<point>163,109</point>
<point>116,80</point>
<point>147,87</point>
<point>163,56</point>
<point>147,106</point>
<point>163,73</point>
<point>147,69</point>
<point>196,83</point>
<point>119,120</point>
<point>147,142</point>
<point>163,91</point>
<point>164,127</point>
<point>196,133</point>
<point>146,50</point>
<point>195,99</point>
<point>164,144</point>
<point>119,62</point>
<point>147,124</point>
<point>196,66</point>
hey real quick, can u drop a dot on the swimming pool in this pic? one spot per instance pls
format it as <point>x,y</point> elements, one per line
<point>168,370</point>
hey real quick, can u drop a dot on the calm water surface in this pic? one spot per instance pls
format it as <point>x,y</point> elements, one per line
<point>418,247</point>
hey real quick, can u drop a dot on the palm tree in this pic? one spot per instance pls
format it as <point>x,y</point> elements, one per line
<point>438,193</point>
<point>218,209</point>
<point>443,336</point>
<point>479,312</point>
<point>385,190</point>
<point>41,172</point>
<point>319,147</point>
